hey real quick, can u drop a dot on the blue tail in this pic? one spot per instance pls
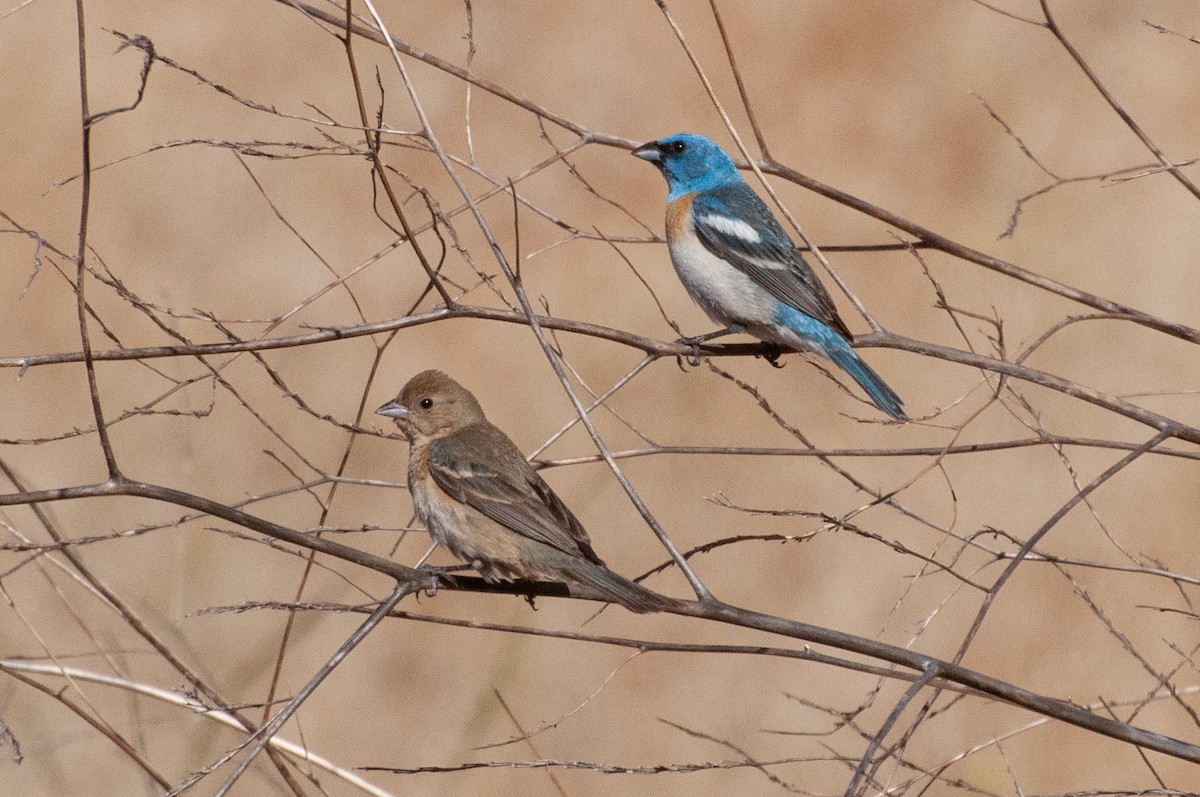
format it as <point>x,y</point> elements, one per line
<point>884,397</point>
<point>818,337</point>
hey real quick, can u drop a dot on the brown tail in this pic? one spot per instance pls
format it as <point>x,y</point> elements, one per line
<point>630,594</point>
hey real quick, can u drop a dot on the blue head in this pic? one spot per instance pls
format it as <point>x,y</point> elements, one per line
<point>690,162</point>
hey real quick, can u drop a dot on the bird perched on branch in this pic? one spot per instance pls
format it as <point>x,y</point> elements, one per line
<point>479,497</point>
<point>742,268</point>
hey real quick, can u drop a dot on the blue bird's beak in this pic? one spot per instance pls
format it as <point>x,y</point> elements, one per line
<point>650,152</point>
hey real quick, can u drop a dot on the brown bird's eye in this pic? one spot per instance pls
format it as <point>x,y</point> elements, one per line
<point>426,403</point>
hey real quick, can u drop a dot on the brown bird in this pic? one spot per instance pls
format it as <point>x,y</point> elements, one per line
<point>479,497</point>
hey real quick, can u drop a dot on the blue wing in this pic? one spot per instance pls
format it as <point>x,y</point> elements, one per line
<point>736,226</point>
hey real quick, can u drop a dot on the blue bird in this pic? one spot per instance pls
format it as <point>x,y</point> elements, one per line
<point>742,268</point>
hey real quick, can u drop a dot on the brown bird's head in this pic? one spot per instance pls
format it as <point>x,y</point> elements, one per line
<point>432,406</point>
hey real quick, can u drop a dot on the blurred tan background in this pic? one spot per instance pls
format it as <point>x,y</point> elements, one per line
<point>879,100</point>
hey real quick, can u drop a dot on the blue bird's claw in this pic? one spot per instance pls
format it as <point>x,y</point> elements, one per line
<point>694,358</point>
<point>774,352</point>
<point>695,342</point>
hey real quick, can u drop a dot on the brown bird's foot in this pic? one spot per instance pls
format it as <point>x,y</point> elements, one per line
<point>773,353</point>
<point>436,573</point>
<point>486,570</point>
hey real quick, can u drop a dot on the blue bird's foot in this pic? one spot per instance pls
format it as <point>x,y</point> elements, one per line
<point>695,342</point>
<point>773,354</point>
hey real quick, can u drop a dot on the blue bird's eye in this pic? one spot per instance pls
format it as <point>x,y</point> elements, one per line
<point>675,147</point>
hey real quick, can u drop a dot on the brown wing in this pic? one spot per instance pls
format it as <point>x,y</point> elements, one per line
<point>484,469</point>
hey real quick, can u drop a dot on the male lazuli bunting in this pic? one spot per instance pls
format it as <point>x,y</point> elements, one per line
<point>478,496</point>
<point>742,268</point>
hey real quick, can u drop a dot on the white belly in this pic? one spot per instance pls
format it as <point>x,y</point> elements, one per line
<point>727,295</point>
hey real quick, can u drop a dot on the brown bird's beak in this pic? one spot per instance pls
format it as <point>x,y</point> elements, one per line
<point>393,409</point>
<point>650,151</point>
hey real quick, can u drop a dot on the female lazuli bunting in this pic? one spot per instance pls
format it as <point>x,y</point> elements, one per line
<point>742,268</point>
<point>479,497</point>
